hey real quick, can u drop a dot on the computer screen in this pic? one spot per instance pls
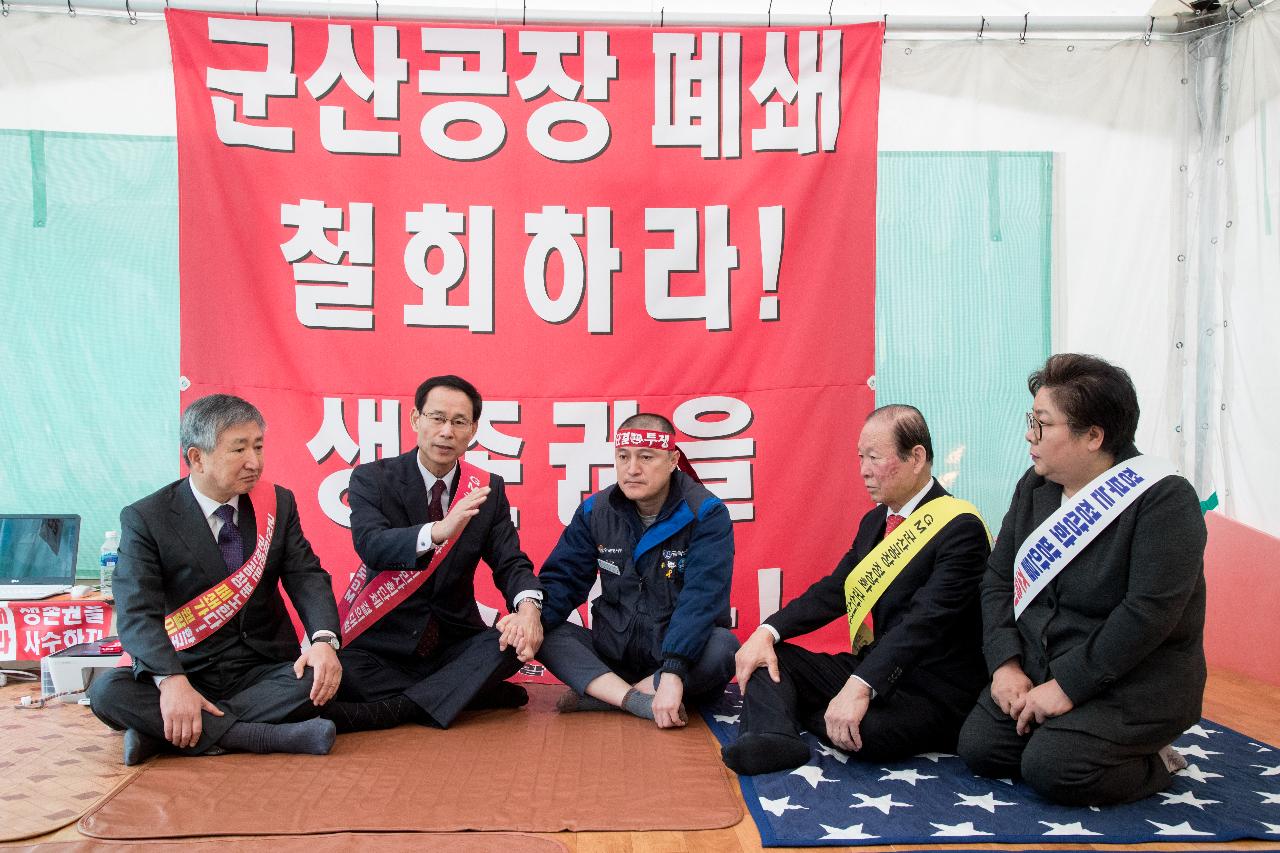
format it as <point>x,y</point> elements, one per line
<point>37,549</point>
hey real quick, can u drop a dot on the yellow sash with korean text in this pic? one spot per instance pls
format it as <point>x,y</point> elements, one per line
<point>881,566</point>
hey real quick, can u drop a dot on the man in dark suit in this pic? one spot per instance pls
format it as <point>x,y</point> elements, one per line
<point>909,689</point>
<point>428,655</point>
<point>221,671</point>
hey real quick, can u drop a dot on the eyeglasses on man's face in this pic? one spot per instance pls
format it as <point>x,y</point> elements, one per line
<point>437,419</point>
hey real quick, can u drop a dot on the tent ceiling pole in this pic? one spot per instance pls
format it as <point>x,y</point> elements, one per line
<point>898,26</point>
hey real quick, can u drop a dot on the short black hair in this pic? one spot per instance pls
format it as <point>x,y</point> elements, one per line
<point>1091,391</point>
<point>909,429</point>
<point>449,381</point>
<point>647,420</point>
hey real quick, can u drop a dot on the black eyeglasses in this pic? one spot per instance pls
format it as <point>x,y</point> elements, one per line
<point>1036,425</point>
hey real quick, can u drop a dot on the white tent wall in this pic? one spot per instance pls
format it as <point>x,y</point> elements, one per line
<point>1113,113</point>
<point>85,75</point>
<point>1246,375</point>
<point>1143,257</point>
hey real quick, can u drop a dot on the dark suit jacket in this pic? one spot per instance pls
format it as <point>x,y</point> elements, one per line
<point>928,626</point>
<point>168,556</point>
<point>1122,627</point>
<point>388,508</point>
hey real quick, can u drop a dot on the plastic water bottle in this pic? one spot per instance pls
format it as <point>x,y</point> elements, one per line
<point>107,559</point>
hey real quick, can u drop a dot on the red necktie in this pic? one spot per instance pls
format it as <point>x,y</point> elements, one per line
<point>431,631</point>
<point>435,505</point>
<point>891,524</point>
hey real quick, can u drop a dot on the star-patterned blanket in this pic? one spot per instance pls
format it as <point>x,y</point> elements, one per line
<point>1230,790</point>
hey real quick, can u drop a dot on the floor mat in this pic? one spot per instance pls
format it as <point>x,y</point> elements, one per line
<point>384,842</point>
<point>529,770</point>
<point>1230,790</point>
<point>55,762</point>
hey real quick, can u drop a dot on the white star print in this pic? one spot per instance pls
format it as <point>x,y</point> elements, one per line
<point>910,776</point>
<point>987,801</point>
<point>1186,798</point>
<point>1268,799</point>
<point>1200,731</point>
<point>935,756</point>
<point>882,803</point>
<point>1196,752</point>
<point>1066,828</point>
<point>832,752</point>
<point>1272,828</point>
<point>777,807</point>
<point>1193,771</point>
<point>1183,828</point>
<point>812,775</point>
<point>730,719</point>
<point>956,830</point>
<point>1268,771</point>
<point>852,832</point>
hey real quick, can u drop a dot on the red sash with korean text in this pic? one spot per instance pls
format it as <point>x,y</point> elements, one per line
<point>364,603</point>
<point>201,616</point>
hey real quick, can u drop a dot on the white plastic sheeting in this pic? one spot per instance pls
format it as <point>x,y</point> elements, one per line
<point>1242,383</point>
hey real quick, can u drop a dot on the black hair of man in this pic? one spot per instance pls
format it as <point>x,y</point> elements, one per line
<point>449,381</point>
<point>647,420</point>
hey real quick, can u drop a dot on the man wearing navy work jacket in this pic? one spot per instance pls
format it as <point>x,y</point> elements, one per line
<point>909,689</point>
<point>662,545</point>
<point>427,655</point>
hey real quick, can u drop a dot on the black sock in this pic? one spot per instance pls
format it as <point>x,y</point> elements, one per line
<point>310,737</point>
<point>504,694</point>
<point>139,747</point>
<point>764,753</point>
<point>372,716</point>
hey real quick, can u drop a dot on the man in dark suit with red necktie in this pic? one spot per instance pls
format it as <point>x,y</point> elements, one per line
<point>416,648</point>
<point>908,690</point>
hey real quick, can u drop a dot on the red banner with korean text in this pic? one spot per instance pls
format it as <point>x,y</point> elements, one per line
<point>584,221</point>
<point>30,630</point>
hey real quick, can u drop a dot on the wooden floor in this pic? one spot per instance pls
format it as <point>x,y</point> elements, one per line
<point>1234,700</point>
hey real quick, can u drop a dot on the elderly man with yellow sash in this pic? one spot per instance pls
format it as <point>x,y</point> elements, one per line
<point>216,663</point>
<point>909,589</point>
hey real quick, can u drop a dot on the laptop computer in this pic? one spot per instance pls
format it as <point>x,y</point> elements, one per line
<point>37,555</point>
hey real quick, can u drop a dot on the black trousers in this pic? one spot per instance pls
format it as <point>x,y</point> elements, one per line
<point>1070,767</point>
<point>442,683</point>
<point>247,688</point>
<point>901,725</point>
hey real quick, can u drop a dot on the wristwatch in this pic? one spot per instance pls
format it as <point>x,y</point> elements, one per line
<point>328,638</point>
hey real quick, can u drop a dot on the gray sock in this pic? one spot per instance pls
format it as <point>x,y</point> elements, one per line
<point>569,702</point>
<point>640,704</point>
<point>310,737</point>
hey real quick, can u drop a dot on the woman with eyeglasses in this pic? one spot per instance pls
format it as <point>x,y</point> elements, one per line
<point>1092,602</point>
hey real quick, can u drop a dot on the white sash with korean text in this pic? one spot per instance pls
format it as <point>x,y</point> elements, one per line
<point>1069,530</point>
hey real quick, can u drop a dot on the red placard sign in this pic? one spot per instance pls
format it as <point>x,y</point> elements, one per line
<point>584,221</point>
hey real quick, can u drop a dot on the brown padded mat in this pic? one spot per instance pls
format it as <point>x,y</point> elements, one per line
<point>55,762</point>
<point>485,842</point>
<point>531,770</point>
